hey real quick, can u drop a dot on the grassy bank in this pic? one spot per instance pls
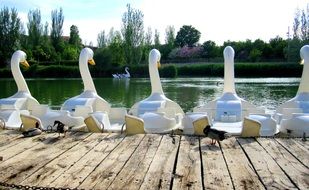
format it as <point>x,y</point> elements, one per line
<point>167,70</point>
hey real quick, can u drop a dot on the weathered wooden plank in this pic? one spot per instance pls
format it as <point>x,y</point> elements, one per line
<point>270,173</point>
<point>216,175</point>
<point>160,172</point>
<point>291,166</point>
<point>9,138</point>
<point>188,169</point>
<point>243,175</point>
<point>299,151</point>
<point>23,165</point>
<point>26,144</point>
<point>305,144</point>
<point>132,174</point>
<point>107,170</point>
<point>55,168</point>
<point>73,177</point>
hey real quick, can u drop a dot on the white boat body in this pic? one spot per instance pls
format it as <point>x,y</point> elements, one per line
<point>159,114</point>
<point>22,101</point>
<point>228,111</point>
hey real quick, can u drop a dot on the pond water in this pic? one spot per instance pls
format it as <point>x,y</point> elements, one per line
<point>266,93</point>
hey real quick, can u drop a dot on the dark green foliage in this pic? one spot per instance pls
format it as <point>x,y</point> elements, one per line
<point>57,71</point>
<point>75,40</point>
<point>168,71</point>
<point>111,56</point>
<point>187,36</point>
<point>139,71</point>
<point>133,35</point>
<point>210,49</point>
<point>243,70</point>
<point>255,55</point>
<point>56,31</point>
<point>268,70</point>
<point>35,28</point>
<point>10,27</point>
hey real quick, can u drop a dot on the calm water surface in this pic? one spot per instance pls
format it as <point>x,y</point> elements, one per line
<point>266,93</point>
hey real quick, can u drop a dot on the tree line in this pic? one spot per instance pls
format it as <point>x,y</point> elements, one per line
<point>45,43</point>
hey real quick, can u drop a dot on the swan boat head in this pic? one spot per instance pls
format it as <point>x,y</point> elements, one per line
<point>89,96</point>
<point>157,99</point>
<point>303,86</point>
<point>23,98</point>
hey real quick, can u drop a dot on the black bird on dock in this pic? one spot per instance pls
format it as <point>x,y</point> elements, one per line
<point>61,128</point>
<point>215,135</point>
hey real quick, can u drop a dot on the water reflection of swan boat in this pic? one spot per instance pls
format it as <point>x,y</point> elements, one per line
<point>228,111</point>
<point>124,75</point>
<point>22,101</point>
<point>157,113</point>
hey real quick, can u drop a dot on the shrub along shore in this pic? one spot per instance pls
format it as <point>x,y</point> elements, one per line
<point>269,69</point>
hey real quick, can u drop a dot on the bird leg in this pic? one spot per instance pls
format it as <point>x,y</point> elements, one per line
<point>212,142</point>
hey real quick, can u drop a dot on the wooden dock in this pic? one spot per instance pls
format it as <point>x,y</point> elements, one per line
<point>115,161</point>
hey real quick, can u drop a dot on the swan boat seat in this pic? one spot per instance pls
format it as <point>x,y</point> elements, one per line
<point>293,115</point>
<point>228,111</point>
<point>157,113</point>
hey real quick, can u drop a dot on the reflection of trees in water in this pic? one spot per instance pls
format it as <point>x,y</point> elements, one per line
<point>55,92</point>
<point>7,88</point>
<point>266,96</point>
<point>187,93</point>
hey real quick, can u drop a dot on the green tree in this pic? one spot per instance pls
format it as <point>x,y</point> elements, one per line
<point>170,36</point>
<point>133,35</point>
<point>117,51</point>
<point>255,55</point>
<point>56,30</point>
<point>148,37</point>
<point>101,40</point>
<point>110,36</point>
<point>147,44</point>
<point>10,27</point>
<point>210,50</point>
<point>75,40</point>
<point>304,33</point>
<point>296,24</point>
<point>187,36</point>
<point>35,28</point>
<point>157,39</point>
<point>113,54</point>
<point>278,46</point>
<point>70,53</point>
<point>46,45</point>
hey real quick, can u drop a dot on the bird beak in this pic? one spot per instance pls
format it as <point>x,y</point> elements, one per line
<point>158,64</point>
<point>25,63</point>
<point>302,62</point>
<point>91,62</point>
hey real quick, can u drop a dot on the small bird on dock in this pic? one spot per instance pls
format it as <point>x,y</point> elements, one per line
<point>33,131</point>
<point>304,137</point>
<point>215,135</point>
<point>61,128</point>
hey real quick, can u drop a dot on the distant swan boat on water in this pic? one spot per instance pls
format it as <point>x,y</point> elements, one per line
<point>124,75</point>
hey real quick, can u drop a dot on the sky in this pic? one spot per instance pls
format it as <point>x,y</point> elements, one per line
<point>217,20</point>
